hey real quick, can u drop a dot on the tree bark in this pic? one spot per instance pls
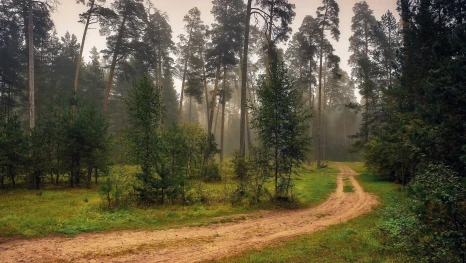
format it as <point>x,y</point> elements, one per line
<point>31,67</point>
<point>114,61</point>
<point>244,78</point>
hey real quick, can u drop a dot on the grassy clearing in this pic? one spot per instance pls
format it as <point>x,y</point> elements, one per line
<point>359,240</point>
<point>67,211</point>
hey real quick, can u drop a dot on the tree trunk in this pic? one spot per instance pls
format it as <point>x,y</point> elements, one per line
<point>78,64</point>
<point>180,111</point>
<point>216,117</point>
<point>319,105</point>
<point>309,160</point>
<point>205,86</point>
<point>244,78</point>
<point>96,175</point>
<point>114,61</point>
<point>324,112</point>
<point>222,135</point>
<point>345,133</point>
<point>214,97</point>
<point>190,108</point>
<point>89,176</point>
<point>31,68</point>
<point>366,84</point>
<point>248,129</point>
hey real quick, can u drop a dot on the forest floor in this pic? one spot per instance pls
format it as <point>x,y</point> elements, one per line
<point>197,244</point>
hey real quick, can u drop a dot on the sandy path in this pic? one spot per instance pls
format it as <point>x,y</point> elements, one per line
<point>195,244</point>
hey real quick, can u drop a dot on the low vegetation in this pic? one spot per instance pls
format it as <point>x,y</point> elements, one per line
<point>55,210</point>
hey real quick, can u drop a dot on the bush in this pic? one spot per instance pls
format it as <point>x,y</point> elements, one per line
<point>432,226</point>
<point>211,172</point>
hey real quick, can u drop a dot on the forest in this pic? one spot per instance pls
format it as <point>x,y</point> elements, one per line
<point>225,121</point>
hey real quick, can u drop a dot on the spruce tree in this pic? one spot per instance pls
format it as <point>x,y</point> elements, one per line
<point>280,119</point>
<point>145,112</point>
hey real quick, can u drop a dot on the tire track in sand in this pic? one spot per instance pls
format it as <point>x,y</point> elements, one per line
<point>195,244</point>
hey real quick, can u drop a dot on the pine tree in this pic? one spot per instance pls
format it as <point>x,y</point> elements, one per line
<point>191,47</point>
<point>123,34</point>
<point>327,19</point>
<point>280,119</point>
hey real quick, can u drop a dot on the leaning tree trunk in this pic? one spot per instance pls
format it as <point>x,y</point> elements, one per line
<point>244,78</point>
<point>78,64</point>
<point>31,67</point>
<point>114,61</point>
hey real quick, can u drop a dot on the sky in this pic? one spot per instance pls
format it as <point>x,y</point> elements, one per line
<point>66,17</point>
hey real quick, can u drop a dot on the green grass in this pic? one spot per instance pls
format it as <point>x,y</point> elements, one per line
<point>359,240</point>
<point>67,211</point>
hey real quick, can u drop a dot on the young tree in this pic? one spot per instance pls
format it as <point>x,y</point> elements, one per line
<point>280,119</point>
<point>145,114</point>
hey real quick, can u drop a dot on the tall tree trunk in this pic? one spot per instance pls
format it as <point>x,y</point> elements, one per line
<point>190,108</point>
<point>324,112</point>
<point>180,111</point>
<point>116,52</point>
<point>345,134</point>
<point>214,97</point>
<point>78,64</point>
<point>244,78</point>
<point>366,83</point>
<point>248,129</point>
<point>319,105</point>
<point>205,86</point>
<point>216,117</point>
<point>248,126</point>
<point>31,67</point>
<point>222,135</point>
<point>309,160</point>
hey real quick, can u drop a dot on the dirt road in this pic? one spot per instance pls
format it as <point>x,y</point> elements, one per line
<point>195,244</point>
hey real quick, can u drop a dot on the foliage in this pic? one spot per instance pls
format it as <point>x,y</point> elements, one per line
<point>13,150</point>
<point>145,111</point>
<point>281,123</point>
<point>252,172</point>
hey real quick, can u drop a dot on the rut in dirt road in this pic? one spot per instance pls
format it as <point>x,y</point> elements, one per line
<point>196,244</point>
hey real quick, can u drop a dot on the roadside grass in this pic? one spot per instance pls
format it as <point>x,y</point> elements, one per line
<point>358,240</point>
<point>29,213</point>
